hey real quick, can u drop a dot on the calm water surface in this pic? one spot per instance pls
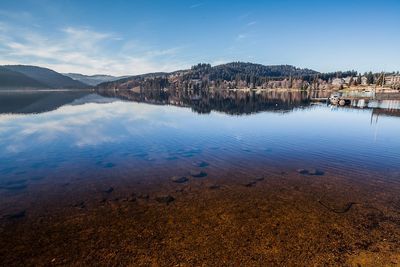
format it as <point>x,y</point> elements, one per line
<point>68,153</point>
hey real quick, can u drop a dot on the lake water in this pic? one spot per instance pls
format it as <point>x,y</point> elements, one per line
<point>273,178</point>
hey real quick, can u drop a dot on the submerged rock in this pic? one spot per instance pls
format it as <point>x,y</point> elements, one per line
<point>259,179</point>
<point>17,215</point>
<point>310,172</point>
<point>165,199</point>
<point>132,198</point>
<point>109,190</point>
<point>316,172</point>
<point>250,184</point>
<point>80,205</point>
<point>214,186</point>
<point>37,178</point>
<point>109,165</point>
<point>302,171</point>
<point>198,174</point>
<point>143,196</point>
<point>179,179</point>
<point>14,187</point>
<point>201,164</point>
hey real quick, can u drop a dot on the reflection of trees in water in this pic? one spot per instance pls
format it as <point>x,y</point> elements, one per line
<point>228,101</point>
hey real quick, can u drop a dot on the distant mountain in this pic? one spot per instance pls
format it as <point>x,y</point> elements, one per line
<point>93,80</point>
<point>45,78</point>
<point>230,75</point>
<point>12,79</point>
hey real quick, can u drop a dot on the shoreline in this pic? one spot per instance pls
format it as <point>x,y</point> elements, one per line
<point>44,90</point>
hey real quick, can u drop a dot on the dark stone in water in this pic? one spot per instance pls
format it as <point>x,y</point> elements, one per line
<point>109,190</point>
<point>37,165</point>
<point>201,164</point>
<point>179,179</point>
<point>214,186</point>
<point>143,196</point>
<point>132,198</point>
<point>79,205</point>
<point>316,172</point>
<point>259,179</point>
<point>250,184</point>
<point>165,199</point>
<point>302,171</point>
<point>8,170</point>
<point>140,154</point>
<point>310,172</point>
<point>109,165</point>
<point>37,178</point>
<point>14,187</point>
<point>198,174</point>
<point>17,215</point>
<point>12,182</point>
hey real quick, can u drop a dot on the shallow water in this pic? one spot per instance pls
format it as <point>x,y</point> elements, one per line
<point>87,180</point>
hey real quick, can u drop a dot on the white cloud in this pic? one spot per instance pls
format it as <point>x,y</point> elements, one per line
<point>196,5</point>
<point>85,51</point>
<point>240,37</point>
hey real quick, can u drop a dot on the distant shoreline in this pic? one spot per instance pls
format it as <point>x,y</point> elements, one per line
<point>44,90</point>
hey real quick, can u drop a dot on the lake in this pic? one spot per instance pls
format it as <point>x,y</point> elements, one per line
<point>224,178</point>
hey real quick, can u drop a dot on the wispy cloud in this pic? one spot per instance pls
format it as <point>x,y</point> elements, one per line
<point>84,50</point>
<point>240,37</point>
<point>251,23</point>
<point>196,5</point>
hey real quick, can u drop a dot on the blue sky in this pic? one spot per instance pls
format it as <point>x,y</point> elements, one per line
<point>131,37</point>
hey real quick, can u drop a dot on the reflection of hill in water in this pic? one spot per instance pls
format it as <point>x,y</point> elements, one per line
<point>44,101</point>
<point>227,101</point>
<point>36,102</point>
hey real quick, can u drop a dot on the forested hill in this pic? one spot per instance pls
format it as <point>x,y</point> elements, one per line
<point>230,71</point>
<point>33,77</point>
<point>47,76</point>
<point>12,79</point>
<point>204,75</point>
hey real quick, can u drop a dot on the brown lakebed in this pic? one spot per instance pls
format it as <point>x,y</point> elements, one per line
<point>253,196</point>
<point>285,218</point>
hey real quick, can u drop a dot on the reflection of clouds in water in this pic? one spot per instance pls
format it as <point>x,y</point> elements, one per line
<point>84,125</point>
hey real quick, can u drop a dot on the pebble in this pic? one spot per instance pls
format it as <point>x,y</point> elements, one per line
<point>143,196</point>
<point>109,190</point>
<point>17,215</point>
<point>198,174</point>
<point>79,205</point>
<point>316,172</point>
<point>250,184</point>
<point>201,164</point>
<point>165,199</point>
<point>179,179</point>
<point>302,171</point>
<point>214,186</point>
<point>310,172</point>
<point>109,165</point>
